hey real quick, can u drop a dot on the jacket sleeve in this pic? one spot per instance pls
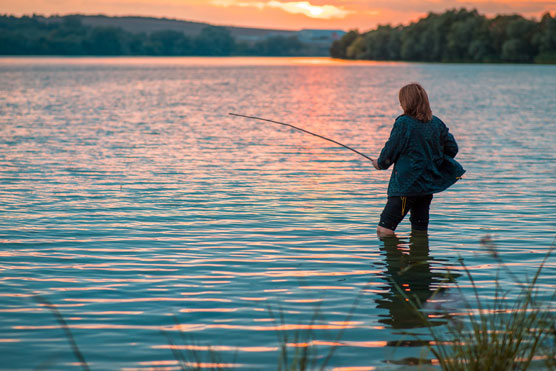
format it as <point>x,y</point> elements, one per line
<point>450,145</point>
<point>394,146</point>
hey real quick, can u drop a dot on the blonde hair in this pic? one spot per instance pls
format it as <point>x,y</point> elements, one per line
<point>415,102</point>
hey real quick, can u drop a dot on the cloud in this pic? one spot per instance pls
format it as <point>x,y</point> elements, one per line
<point>280,14</point>
<point>313,11</point>
<point>324,11</point>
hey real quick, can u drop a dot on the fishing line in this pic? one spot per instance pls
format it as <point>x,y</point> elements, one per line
<point>305,131</point>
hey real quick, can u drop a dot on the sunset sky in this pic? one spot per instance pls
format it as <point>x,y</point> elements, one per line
<point>283,14</point>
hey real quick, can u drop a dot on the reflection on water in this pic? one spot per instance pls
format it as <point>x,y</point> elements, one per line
<point>408,269</point>
<point>130,198</point>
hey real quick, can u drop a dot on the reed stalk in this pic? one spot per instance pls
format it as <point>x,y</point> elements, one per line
<point>508,334</point>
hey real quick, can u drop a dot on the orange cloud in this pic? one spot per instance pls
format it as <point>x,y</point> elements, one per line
<point>280,14</point>
<point>325,11</point>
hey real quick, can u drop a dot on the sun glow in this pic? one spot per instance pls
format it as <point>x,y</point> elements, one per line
<point>295,7</point>
<point>315,11</point>
<point>310,10</point>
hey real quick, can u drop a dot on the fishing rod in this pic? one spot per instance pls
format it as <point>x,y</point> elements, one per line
<point>303,130</point>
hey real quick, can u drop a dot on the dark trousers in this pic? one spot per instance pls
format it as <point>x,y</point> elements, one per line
<point>397,208</point>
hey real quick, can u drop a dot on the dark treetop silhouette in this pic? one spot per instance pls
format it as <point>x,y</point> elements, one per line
<point>455,36</point>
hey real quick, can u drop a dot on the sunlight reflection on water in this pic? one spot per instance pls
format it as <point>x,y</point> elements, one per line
<point>130,199</point>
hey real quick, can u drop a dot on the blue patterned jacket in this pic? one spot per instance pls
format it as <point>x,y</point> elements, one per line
<point>423,157</point>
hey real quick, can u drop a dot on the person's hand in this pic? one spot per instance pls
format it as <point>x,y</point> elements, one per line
<point>375,164</point>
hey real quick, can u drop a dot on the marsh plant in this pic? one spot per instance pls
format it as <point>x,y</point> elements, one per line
<point>513,331</point>
<point>299,349</point>
<point>509,333</point>
<point>190,355</point>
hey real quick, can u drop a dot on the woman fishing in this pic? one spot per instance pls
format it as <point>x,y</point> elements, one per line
<point>422,152</point>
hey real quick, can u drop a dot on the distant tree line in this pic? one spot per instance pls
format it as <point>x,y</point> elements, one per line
<point>33,36</point>
<point>455,36</point>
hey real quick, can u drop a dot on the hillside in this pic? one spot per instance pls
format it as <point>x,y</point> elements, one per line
<point>149,25</point>
<point>103,35</point>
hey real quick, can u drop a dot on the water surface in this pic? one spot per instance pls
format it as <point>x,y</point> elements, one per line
<point>136,205</point>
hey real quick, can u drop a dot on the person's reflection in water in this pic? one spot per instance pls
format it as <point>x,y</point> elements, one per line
<point>409,269</point>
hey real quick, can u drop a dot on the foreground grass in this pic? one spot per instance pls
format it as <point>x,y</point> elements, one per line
<point>510,333</point>
<point>513,332</point>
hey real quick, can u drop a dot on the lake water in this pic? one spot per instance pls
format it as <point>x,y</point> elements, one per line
<point>142,211</point>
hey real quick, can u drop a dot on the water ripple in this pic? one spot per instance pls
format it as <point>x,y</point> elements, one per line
<point>142,211</point>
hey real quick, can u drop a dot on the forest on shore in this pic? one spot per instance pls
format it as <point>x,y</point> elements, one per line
<point>70,37</point>
<point>455,36</point>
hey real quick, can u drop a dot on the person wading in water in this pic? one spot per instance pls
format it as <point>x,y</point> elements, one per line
<point>422,151</point>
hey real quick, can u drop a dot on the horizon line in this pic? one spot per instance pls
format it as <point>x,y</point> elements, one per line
<point>553,14</point>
